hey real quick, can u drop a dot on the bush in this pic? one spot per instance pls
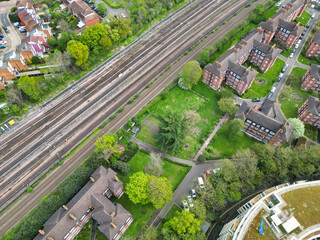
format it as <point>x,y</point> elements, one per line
<point>182,84</point>
<point>35,60</point>
<point>29,189</point>
<point>201,158</point>
<point>137,122</point>
<point>123,167</point>
<point>131,149</point>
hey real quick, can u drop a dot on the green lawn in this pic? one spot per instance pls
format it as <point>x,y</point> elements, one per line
<point>224,147</point>
<point>286,53</point>
<point>141,213</point>
<point>290,107</point>
<point>114,4</point>
<point>149,130</point>
<point>271,76</point>
<point>177,100</point>
<point>304,18</point>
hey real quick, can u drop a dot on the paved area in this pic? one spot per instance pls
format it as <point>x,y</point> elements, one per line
<point>5,6</point>
<point>221,122</point>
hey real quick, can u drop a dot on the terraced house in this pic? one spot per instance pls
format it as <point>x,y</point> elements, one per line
<point>309,112</point>
<point>311,79</point>
<point>92,201</point>
<point>313,49</point>
<point>228,68</point>
<point>264,123</point>
<point>279,26</point>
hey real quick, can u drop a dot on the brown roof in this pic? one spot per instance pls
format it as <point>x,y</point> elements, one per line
<point>316,38</point>
<point>313,105</point>
<point>315,71</point>
<point>246,75</point>
<point>82,10</point>
<point>294,28</point>
<point>91,195</point>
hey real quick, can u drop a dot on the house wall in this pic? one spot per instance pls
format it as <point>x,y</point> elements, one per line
<point>310,83</point>
<point>212,80</point>
<point>313,49</point>
<point>93,22</point>
<point>306,117</point>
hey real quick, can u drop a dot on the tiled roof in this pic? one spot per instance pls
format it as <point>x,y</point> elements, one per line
<point>315,71</point>
<point>313,105</point>
<point>11,56</point>
<point>316,38</point>
<point>294,29</point>
<point>246,74</point>
<point>213,68</point>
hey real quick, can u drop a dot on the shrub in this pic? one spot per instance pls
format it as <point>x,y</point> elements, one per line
<point>182,84</point>
<point>29,189</point>
<point>201,158</point>
<point>123,167</point>
<point>35,60</point>
<point>131,149</point>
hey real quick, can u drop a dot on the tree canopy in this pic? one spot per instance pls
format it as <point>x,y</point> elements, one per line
<point>102,8</point>
<point>191,73</point>
<point>137,188</point>
<point>78,51</point>
<point>227,106</point>
<point>298,130</point>
<point>160,191</point>
<point>30,87</point>
<point>107,146</point>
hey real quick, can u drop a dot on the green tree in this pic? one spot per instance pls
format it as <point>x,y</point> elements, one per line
<point>30,87</point>
<point>137,188</point>
<point>172,131</point>
<point>78,51</point>
<point>227,106</point>
<point>52,42</point>
<point>159,191</point>
<point>149,233</point>
<point>98,37</point>
<point>14,96</point>
<point>63,41</point>
<point>298,130</point>
<point>184,225</point>
<point>107,146</point>
<point>102,8</point>
<point>199,210</point>
<point>191,73</point>
<point>123,167</point>
<point>154,166</point>
<point>122,28</point>
<point>235,127</point>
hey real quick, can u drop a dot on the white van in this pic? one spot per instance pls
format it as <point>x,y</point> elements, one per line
<point>273,89</point>
<point>313,15</point>
<point>200,181</point>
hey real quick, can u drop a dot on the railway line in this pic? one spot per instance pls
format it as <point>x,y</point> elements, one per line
<point>11,216</point>
<point>116,102</point>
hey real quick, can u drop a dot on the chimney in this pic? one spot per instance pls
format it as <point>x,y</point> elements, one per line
<point>297,25</point>
<point>244,42</point>
<point>41,232</point>
<point>72,216</point>
<point>50,238</point>
<point>285,123</point>
<point>92,179</point>
<point>250,109</point>
<point>65,207</point>
<point>218,64</point>
<point>235,50</point>
<point>248,69</point>
<point>113,225</point>
<point>116,178</point>
<point>112,214</point>
<point>272,47</point>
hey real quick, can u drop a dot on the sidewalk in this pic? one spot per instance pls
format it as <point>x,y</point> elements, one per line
<point>151,148</point>
<point>221,122</point>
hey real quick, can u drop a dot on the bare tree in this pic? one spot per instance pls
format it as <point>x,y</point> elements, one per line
<point>64,26</point>
<point>14,96</point>
<point>154,167</point>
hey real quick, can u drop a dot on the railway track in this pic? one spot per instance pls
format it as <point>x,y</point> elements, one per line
<point>185,44</point>
<point>22,207</point>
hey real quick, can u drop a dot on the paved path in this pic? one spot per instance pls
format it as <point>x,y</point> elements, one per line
<point>296,63</point>
<point>151,148</point>
<point>221,122</point>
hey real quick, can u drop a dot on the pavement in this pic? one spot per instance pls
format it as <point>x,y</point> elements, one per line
<point>5,6</point>
<point>13,37</point>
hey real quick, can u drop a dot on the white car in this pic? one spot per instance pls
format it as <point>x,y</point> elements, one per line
<point>193,193</point>
<point>291,55</point>
<point>3,42</point>
<point>190,201</point>
<point>200,181</point>
<point>299,41</point>
<point>313,15</point>
<point>296,46</point>
<point>216,170</point>
<point>185,205</point>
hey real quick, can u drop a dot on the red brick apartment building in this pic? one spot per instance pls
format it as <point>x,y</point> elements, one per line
<point>228,68</point>
<point>92,201</point>
<point>263,124</point>
<point>311,79</point>
<point>313,48</point>
<point>279,26</point>
<point>309,112</point>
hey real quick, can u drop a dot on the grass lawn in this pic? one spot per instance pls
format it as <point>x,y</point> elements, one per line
<point>253,234</point>
<point>271,76</point>
<point>304,18</point>
<point>305,204</point>
<point>114,4</point>
<point>141,213</point>
<point>177,100</point>
<point>224,147</point>
<point>286,53</point>
<point>149,130</point>
<point>290,107</point>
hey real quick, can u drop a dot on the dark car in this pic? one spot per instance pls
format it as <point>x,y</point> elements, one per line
<point>308,25</point>
<point>294,50</point>
<point>103,15</point>
<point>92,6</point>
<point>1,46</point>
<point>256,100</point>
<point>90,2</point>
<point>269,95</point>
<point>1,36</point>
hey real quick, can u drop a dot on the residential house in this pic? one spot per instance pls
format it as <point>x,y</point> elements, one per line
<point>42,44</point>
<point>277,26</point>
<point>313,48</point>
<point>87,17</point>
<point>30,49</point>
<point>263,124</point>
<point>7,72</point>
<point>16,60</point>
<point>250,48</point>
<point>311,79</point>
<point>309,112</point>
<point>92,201</point>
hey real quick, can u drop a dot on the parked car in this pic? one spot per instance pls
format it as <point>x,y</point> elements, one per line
<point>122,15</point>
<point>190,201</point>
<point>269,95</point>
<point>313,15</point>
<point>185,205</point>
<point>299,41</point>
<point>3,42</point>
<point>294,50</point>
<point>22,30</point>
<point>256,100</point>
<point>216,170</point>
<point>284,68</point>
<point>193,193</point>
<point>296,46</point>
<point>92,6</point>
<point>312,6</point>
<point>308,25</point>
<point>1,46</point>
<point>279,77</point>
<point>200,181</point>
<point>291,55</point>
<point>1,36</point>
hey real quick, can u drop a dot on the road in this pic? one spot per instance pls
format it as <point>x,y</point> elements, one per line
<point>29,201</point>
<point>13,38</point>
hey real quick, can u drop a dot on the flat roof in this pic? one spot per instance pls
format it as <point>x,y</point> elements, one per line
<point>291,224</point>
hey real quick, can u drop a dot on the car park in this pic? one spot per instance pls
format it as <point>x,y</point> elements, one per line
<point>185,205</point>
<point>291,55</point>
<point>193,193</point>
<point>190,201</point>
<point>200,181</point>
<point>256,100</point>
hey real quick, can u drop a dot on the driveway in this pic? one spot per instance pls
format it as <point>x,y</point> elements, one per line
<point>13,38</point>
<point>5,6</point>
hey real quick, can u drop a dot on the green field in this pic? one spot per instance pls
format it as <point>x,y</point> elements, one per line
<point>290,107</point>
<point>149,130</point>
<point>141,213</point>
<point>271,76</point>
<point>114,4</point>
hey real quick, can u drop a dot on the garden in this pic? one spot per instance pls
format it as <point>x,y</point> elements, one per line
<point>201,100</point>
<point>304,18</point>
<point>260,88</point>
